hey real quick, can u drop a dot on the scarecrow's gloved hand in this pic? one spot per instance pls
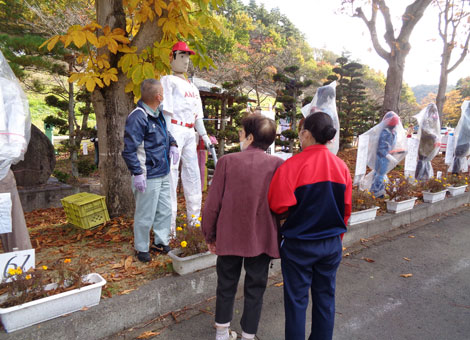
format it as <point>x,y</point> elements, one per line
<point>207,141</point>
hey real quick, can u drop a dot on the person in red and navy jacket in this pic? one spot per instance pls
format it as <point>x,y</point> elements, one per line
<point>313,188</point>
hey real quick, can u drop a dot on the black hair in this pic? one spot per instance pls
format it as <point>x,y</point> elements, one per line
<point>320,126</point>
<point>261,128</point>
<point>174,53</point>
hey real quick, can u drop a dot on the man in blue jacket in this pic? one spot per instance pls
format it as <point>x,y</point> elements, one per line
<point>148,147</point>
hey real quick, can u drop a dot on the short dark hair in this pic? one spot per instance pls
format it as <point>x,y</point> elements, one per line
<point>261,128</point>
<point>320,126</point>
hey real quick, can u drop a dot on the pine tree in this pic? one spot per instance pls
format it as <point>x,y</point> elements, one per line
<point>290,98</point>
<point>355,112</point>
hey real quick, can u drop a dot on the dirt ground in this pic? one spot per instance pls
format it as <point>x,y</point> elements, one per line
<point>109,247</point>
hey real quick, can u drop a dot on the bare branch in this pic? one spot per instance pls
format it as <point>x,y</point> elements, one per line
<point>373,32</point>
<point>462,55</point>
<point>412,15</point>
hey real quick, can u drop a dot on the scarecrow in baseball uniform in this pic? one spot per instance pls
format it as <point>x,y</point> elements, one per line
<point>182,107</point>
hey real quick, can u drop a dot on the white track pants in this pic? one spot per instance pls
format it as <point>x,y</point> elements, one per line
<point>190,173</point>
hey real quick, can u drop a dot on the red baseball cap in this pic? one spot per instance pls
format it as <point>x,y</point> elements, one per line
<point>181,46</point>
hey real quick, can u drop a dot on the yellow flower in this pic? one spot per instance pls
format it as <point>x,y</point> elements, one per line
<point>19,271</point>
<point>184,216</point>
<point>197,225</point>
<point>12,271</point>
<point>184,225</point>
<point>193,216</point>
<point>184,244</point>
<point>67,260</point>
<point>199,218</point>
<point>44,267</point>
<point>28,277</point>
<point>179,228</point>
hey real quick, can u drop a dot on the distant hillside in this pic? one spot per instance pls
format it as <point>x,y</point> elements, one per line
<point>422,91</point>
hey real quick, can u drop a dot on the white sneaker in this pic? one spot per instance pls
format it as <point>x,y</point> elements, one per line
<point>231,335</point>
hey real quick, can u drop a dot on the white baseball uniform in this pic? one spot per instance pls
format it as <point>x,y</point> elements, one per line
<point>182,106</point>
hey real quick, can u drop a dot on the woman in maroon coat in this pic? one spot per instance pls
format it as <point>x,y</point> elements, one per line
<point>239,226</point>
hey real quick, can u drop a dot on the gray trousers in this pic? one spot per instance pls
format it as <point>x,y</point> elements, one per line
<point>19,236</point>
<point>152,211</point>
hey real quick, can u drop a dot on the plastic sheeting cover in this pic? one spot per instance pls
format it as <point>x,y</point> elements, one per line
<point>15,120</point>
<point>325,101</point>
<point>387,147</point>
<point>429,136</point>
<point>462,141</point>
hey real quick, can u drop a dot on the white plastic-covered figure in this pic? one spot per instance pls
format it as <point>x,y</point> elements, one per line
<point>15,120</point>
<point>15,130</point>
<point>429,135</point>
<point>182,107</point>
<point>387,147</point>
<point>462,141</point>
<point>325,101</point>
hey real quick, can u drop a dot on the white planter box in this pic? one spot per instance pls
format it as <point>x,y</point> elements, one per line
<point>398,207</point>
<point>363,216</point>
<point>455,191</point>
<point>30,313</point>
<point>190,264</point>
<point>432,197</point>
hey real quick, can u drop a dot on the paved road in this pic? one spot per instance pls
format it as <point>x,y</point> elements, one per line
<point>373,300</point>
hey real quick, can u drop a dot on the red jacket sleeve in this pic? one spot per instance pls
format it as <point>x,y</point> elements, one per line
<point>213,202</point>
<point>347,198</point>
<point>281,192</point>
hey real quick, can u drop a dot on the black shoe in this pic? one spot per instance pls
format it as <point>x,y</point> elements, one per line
<point>144,256</point>
<point>160,248</point>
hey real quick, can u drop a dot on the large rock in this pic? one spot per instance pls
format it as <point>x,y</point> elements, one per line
<point>38,163</point>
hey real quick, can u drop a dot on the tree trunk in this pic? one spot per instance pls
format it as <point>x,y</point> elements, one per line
<point>397,42</point>
<point>112,105</point>
<point>72,138</point>
<point>441,92</point>
<point>222,126</point>
<point>396,66</point>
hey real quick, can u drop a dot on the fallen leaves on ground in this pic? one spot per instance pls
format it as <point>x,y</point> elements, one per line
<point>148,334</point>
<point>280,284</point>
<point>368,259</point>
<point>406,259</point>
<point>406,275</point>
<point>108,246</point>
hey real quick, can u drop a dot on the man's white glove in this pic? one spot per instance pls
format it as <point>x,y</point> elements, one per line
<point>207,141</point>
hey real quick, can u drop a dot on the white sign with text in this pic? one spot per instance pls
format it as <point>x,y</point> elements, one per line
<point>449,150</point>
<point>361,159</point>
<point>411,159</point>
<point>24,259</point>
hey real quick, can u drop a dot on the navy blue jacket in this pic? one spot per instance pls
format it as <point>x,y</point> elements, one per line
<point>147,143</point>
<point>315,187</point>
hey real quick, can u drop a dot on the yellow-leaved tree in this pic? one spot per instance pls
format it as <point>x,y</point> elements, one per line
<point>130,41</point>
<point>452,108</point>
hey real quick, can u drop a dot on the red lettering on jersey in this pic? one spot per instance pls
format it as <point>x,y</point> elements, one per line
<point>190,94</point>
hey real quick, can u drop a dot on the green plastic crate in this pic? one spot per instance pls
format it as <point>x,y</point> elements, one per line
<point>85,210</point>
